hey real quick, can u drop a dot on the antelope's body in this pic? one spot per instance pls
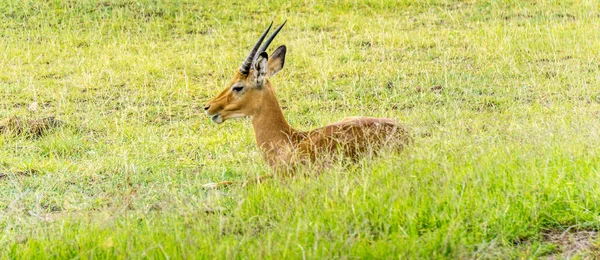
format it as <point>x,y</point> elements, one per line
<point>251,94</point>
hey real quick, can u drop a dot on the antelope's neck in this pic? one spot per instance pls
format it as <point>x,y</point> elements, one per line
<point>273,133</point>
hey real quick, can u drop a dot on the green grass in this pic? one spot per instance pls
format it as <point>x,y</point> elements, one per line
<point>508,148</point>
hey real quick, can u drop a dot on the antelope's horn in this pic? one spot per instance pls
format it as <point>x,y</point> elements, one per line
<point>245,68</point>
<point>268,42</point>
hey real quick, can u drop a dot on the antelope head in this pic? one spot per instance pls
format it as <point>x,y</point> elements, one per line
<point>244,95</point>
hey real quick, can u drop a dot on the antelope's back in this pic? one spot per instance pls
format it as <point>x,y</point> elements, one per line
<point>356,137</point>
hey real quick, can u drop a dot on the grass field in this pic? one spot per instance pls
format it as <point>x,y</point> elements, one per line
<point>502,98</point>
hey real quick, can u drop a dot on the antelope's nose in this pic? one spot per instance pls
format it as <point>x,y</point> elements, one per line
<point>206,107</point>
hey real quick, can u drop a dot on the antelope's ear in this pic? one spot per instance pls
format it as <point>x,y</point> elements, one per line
<point>260,69</point>
<point>276,61</point>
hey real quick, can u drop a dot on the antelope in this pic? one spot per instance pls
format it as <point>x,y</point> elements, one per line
<point>251,94</point>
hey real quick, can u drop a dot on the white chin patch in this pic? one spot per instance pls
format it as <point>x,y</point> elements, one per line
<point>236,115</point>
<point>217,119</point>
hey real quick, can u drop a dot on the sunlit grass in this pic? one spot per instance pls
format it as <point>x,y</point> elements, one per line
<point>501,97</point>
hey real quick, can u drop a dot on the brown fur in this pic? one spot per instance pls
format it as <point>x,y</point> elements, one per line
<point>284,147</point>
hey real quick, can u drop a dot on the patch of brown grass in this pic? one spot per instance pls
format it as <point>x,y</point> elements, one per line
<point>29,127</point>
<point>572,243</point>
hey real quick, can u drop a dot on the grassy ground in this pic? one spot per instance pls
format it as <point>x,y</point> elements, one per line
<point>503,99</point>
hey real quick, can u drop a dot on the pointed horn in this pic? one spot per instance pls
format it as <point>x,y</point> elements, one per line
<point>245,68</point>
<point>268,42</point>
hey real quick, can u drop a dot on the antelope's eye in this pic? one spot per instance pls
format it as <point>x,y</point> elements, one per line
<point>237,89</point>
